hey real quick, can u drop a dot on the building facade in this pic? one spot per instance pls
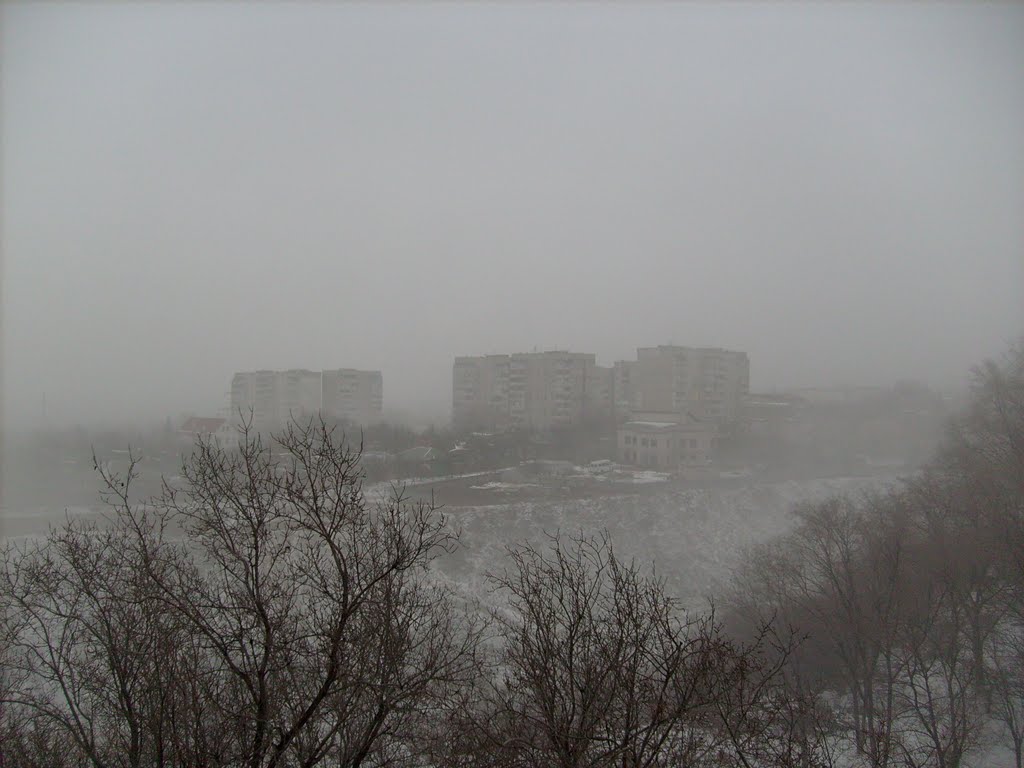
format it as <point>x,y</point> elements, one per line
<point>299,394</point>
<point>660,440</point>
<point>272,398</point>
<point>548,389</point>
<point>623,389</point>
<point>599,400</point>
<point>256,397</point>
<point>480,393</point>
<point>530,390</point>
<point>707,383</point>
<point>353,395</point>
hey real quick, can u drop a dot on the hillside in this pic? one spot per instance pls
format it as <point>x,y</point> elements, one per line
<point>693,536</point>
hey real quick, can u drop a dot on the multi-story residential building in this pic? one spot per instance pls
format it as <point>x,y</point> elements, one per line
<point>708,383</point>
<point>599,402</point>
<point>271,398</point>
<point>354,395</point>
<point>623,390</point>
<point>549,389</point>
<point>256,396</point>
<point>480,392</point>
<point>300,397</point>
<point>530,390</point>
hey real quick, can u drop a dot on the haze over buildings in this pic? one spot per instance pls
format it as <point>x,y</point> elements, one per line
<point>194,189</point>
<point>530,390</point>
<point>544,390</point>
<point>272,398</point>
<point>707,384</point>
<point>676,304</point>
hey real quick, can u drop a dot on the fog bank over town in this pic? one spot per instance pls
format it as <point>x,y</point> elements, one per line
<point>462,385</point>
<point>189,192</point>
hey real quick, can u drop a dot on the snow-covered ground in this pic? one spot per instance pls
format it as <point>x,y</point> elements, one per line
<point>499,486</point>
<point>694,537</point>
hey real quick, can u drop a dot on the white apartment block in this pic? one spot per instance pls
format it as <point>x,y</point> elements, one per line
<point>599,399</point>
<point>547,389</point>
<point>531,390</point>
<point>272,398</point>
<point>480,392</point>
<point>707,383</point>
<point>623,389</point>
<point>353,395</point>
<point>300,394</point>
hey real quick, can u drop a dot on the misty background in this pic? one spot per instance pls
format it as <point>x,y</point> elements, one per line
<point>195,189</point>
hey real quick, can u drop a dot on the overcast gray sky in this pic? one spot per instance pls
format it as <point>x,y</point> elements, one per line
<point>191,189</point>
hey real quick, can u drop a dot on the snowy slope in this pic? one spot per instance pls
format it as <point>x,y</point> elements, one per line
<point>694,537</point>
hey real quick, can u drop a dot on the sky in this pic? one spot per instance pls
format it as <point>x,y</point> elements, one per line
<point>190,189</point>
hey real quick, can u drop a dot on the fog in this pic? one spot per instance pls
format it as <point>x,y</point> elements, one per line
<point>512,384</point>
<point>195,189</point>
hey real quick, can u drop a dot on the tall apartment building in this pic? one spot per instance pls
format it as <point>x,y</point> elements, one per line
<point>254,395</point>
<point>480,392</point>
<point>354,395</point>
<point>274,397</point>
<point>300,393</point>
<point>707,382</point>
<point>547,389</point>
<point>531,390</point>
<point>623,389</point>
<point>599,401</point>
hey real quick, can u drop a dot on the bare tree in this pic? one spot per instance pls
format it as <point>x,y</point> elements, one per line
<point>263,612</point>
<point>599,667</point>
<point>97,665</point>
<point>1006,655</point>
<point>767,715</point>
<point>838,578</point>
<point>941,719</point>
<point>980,468</point>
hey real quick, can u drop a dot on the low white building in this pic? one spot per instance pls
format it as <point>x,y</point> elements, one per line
<point>663,440</point>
